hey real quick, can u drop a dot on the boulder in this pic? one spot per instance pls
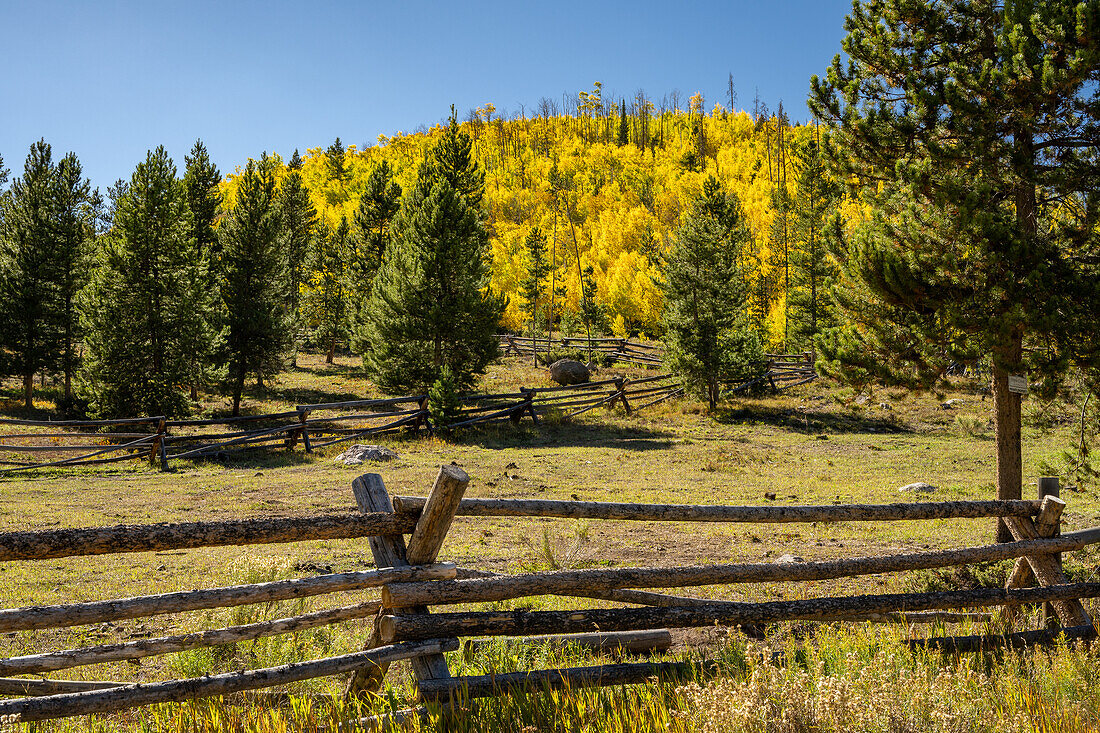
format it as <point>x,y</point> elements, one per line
<point>358,454</point>
<point>567,371</point>
<point>919,487</point>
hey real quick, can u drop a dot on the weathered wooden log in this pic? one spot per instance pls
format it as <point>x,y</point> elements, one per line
<point>36,688</point>
<point>320,421</point>
<point>54,543</point>
<point>1021,576</point>
<point>562,582</point>
<point>638,597</point>
<point>131,696</point>
<point>1048,570</point>
<point>67,448</point>
<point>371,496</point>
<point>605,675</point>
<point>387,721</point>
<point>707,513</point>
<point>69,658</point>
<point>527,623</point>
<point>83,458</point>
<point>659,400</point>
<point>1016,640</point>
<point>78,614</point>
<point>84,423</point>
<point>359,403</point>
<point>653,640</point>
<point>437,515</point>
<point>230,420</point>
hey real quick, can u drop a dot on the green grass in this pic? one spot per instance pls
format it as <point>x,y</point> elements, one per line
<point>816,444</point>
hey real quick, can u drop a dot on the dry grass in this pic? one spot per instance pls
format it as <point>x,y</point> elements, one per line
<point>818,444</point>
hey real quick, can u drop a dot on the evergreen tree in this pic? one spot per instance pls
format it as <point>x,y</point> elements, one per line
<point>534,285</point>
<point>327,305</point>
<point>624,125</point>
<point>147,307</point>
<point>431,305</point>
<point>707,340</point>
<point>75,206</point>
<point>335,156</point>
<point>298,219</point>
<point>970,128</point>
<point>253,282</point>
<point>201,179</point>
<point>29,321</point>
<point>813,270</point>
<point>378,205</point>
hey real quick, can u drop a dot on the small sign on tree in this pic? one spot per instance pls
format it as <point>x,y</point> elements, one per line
<point>1017,384</point>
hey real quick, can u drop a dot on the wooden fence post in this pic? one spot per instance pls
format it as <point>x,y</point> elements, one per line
<point>390,551</point>
<point>620,387</point>
<point>155,448</point>
<point>1048,486</point>
<point>529,393</point>
<point>1045,567</point>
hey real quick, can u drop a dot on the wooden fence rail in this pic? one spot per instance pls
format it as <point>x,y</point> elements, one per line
<point>414,583</point>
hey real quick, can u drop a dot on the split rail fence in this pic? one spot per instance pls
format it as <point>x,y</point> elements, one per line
<point>626,351</point>
<point>313,426</point>
<point>413,579</point>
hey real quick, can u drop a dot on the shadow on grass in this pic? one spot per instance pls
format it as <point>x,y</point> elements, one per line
<point>562,434</point>
<point>809,422</point>
<point>252,458</point>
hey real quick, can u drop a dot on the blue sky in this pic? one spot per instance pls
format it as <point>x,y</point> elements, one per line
<point>109,80</point>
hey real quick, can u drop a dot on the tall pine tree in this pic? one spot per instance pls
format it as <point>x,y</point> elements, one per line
<point>708,341</point>
<point>327,304</point>
<point>812,269</point>
<point>377,207</point>
<point>431,305</point>
<point>298,218</point>
<point>253,282</point>
<point>971,130</point>
<point>76,213</point>
<point>30,328</point>
<point>148,305</point>
<point>534,286</point>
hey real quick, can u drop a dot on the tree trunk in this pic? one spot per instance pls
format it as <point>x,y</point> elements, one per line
<point>28,391</point>
<point>331,350</point>
<point>1007,409</point>
<point>238,388</point>
<point>194,392</point>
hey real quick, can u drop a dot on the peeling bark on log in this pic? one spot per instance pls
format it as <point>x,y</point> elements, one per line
<point>526,623</point>
<point>704,513</point>
<point>131,696</point>
<point>78,614</point>
<point>565,582</point>
<point>69,658</point>
<point>54,543</point>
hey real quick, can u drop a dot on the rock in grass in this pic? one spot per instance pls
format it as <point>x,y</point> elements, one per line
<point>568,371</point>
<point>358,454</point>
<point>788,559</point>
<point>919,488</point>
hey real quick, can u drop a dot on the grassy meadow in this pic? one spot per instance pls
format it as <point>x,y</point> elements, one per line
<point>817,444</point>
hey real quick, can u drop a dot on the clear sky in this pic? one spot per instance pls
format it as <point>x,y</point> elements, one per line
<point>109,79</point>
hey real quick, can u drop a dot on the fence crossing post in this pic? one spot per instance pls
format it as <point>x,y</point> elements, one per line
<point>620,387</point>
<point>156,450</point>
<point>1048,486</point>
<point>390,551</point>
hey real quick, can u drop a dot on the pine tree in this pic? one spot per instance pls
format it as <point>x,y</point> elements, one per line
<point>812,268</point>
<point>970,129</point>
<point>253,282</point>
<point>75,211</point>
<point>377,206</point>
<point>147,306</point>
<point>298,220</point>
<point>431,305</point>
<point>624,125</point>
<point>534,285</point>
<point>328,303</point>
<point>29,322</point>
<point>201,179</point>
<point>708,342</point>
